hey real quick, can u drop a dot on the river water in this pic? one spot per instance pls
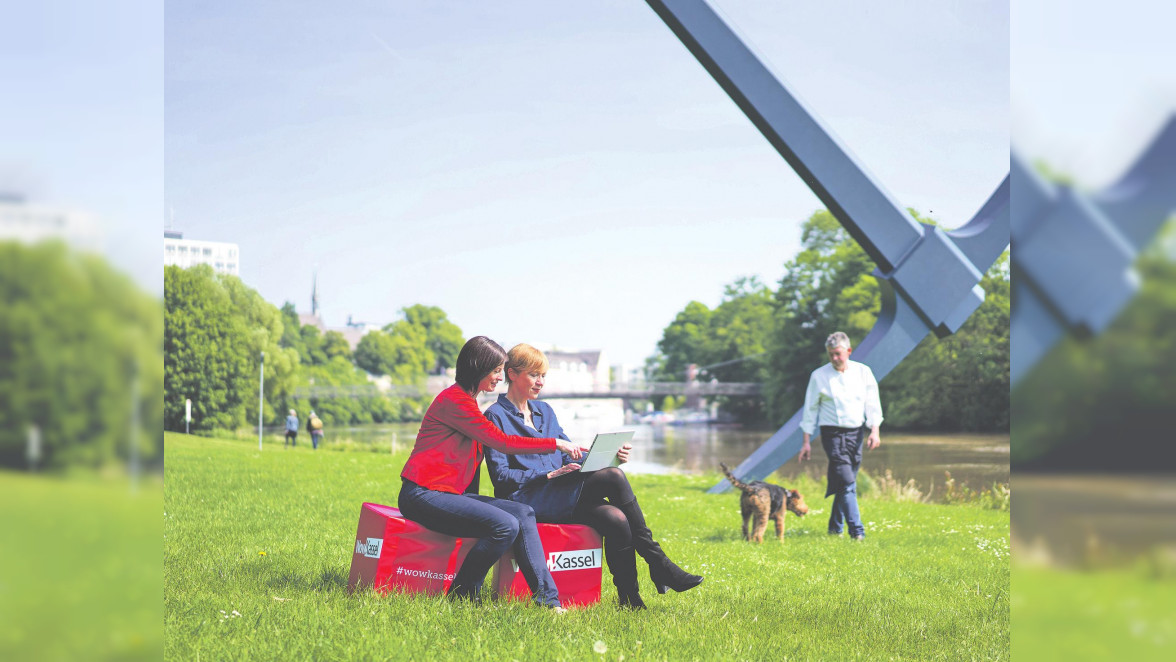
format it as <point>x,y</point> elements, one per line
<point>975,460</point>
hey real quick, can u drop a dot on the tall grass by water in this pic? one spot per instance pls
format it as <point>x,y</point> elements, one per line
<point>257,547</point>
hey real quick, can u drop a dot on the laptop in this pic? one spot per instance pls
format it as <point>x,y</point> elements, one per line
<point>603,452</point>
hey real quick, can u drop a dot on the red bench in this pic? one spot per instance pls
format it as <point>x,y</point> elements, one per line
<point>392,553</point>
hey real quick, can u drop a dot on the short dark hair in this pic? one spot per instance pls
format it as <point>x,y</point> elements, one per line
<point>478,358</point>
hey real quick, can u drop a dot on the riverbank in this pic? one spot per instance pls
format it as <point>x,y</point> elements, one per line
<point>977,462</point>
<point>269,535</point>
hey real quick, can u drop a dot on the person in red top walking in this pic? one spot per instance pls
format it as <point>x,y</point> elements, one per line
<point>444,463</point>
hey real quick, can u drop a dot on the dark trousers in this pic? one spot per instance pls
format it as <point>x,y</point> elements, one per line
<point>844,448</point>
<point>499,524</point>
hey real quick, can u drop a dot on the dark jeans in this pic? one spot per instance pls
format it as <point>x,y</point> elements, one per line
<point>844,448</point>
<point>845,507</point>
<point>500,525</point>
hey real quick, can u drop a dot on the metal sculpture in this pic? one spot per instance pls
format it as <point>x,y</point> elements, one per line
<point>929,278</point>
<point>1072,270</point>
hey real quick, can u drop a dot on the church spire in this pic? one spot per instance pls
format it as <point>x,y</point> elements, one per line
<point>314,300</point>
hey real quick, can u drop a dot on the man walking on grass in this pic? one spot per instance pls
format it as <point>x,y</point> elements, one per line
<point>842,397</point>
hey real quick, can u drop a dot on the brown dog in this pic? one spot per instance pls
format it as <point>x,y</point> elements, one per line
<point>763,501</point>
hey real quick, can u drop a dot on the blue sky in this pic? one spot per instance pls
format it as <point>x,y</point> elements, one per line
<point>550,172</point>
<point>563,156</point>
<point>81,118</point>
<point>1091,82</point>
<point>547,172</point>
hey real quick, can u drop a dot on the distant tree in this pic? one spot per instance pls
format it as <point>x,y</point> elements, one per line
<point>958,383</point>
<point>825,288</point>
<point>728,341</point>
<point>336,346</point>
<point>206,351</point>
<point>292,329</point>
<point>266,329</point>
<point>215,328</point>
<point>312,345</point>
<point>412,357</point>
<point>375,353</point>
<point>1103,403</point>
<point>399,353</point>
<point>442,337</point>
<point>685,341</point>
<point>741,329</point>
<point>74,333</point>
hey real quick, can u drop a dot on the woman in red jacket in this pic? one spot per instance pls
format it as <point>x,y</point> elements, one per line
<point>445,461</point>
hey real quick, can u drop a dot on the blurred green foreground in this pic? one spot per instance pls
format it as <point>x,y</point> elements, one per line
<point>81,570</point>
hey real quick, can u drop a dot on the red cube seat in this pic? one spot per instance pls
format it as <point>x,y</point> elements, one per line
<point>393,553</point>
<point>574,557</point>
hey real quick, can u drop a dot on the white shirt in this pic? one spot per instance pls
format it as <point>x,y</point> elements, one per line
<point>842,399</point>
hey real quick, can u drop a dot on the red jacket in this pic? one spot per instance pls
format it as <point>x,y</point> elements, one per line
<point>448,448</point>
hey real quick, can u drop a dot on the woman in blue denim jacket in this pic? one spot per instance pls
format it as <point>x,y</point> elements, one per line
<point>553,486</point>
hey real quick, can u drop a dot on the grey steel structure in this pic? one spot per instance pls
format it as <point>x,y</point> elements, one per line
<point>1072,270</point>
<point>929,278</point>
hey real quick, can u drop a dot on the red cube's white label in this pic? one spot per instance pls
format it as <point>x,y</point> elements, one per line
<point>579,559</point>
<point>370,549</point>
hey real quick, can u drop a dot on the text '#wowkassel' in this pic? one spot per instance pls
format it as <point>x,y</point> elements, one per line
<point>423,574</point>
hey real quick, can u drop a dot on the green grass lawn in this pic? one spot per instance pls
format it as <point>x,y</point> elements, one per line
<point>257,547</point>
<point>1110,614</point>
<point>80,573</point>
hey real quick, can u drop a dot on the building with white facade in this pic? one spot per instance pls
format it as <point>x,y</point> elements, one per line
<point>223,257</point>
<point>577,372</point>
<point>20,221</point>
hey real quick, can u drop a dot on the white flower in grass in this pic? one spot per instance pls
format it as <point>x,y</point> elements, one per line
<point>600,647</point>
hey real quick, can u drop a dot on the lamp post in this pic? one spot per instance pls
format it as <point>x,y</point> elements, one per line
<point>260,400</point>
<point>134,431</point>
<point>33,452</point>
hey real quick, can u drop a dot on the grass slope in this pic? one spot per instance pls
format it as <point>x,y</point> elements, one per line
<point>269,536</point>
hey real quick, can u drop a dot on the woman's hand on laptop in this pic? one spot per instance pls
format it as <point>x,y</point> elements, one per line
<point>565,469</point>
<point>623,453</point>
<point>571,448</point>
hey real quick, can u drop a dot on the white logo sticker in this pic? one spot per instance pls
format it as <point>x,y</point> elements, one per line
<point>371,548</point>
<point>579,559</point>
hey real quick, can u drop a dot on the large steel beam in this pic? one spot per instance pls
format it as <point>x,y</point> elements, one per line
<point>1072,263</point>
<point>929,278</point>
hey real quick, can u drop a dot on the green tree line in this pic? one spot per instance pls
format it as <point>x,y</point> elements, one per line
<point>1102,403</point>
<point>215,328</point>
<point>78,341</point>
<point>958,383</point>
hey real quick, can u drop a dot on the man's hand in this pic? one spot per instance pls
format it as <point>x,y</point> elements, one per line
<point>573,450</point>
<point>806,451</point>
<point>874,440</point>
<point>623,453</point>
<point>565,469</point>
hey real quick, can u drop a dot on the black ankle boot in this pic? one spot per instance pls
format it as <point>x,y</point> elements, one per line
<point>622,563</point>
<point>665,573</point>
<point>668,575</point>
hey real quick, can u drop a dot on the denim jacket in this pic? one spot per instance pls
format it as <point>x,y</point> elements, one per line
<point>511,473</point>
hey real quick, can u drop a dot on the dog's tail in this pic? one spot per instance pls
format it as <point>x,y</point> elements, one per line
<point>734,481</point>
